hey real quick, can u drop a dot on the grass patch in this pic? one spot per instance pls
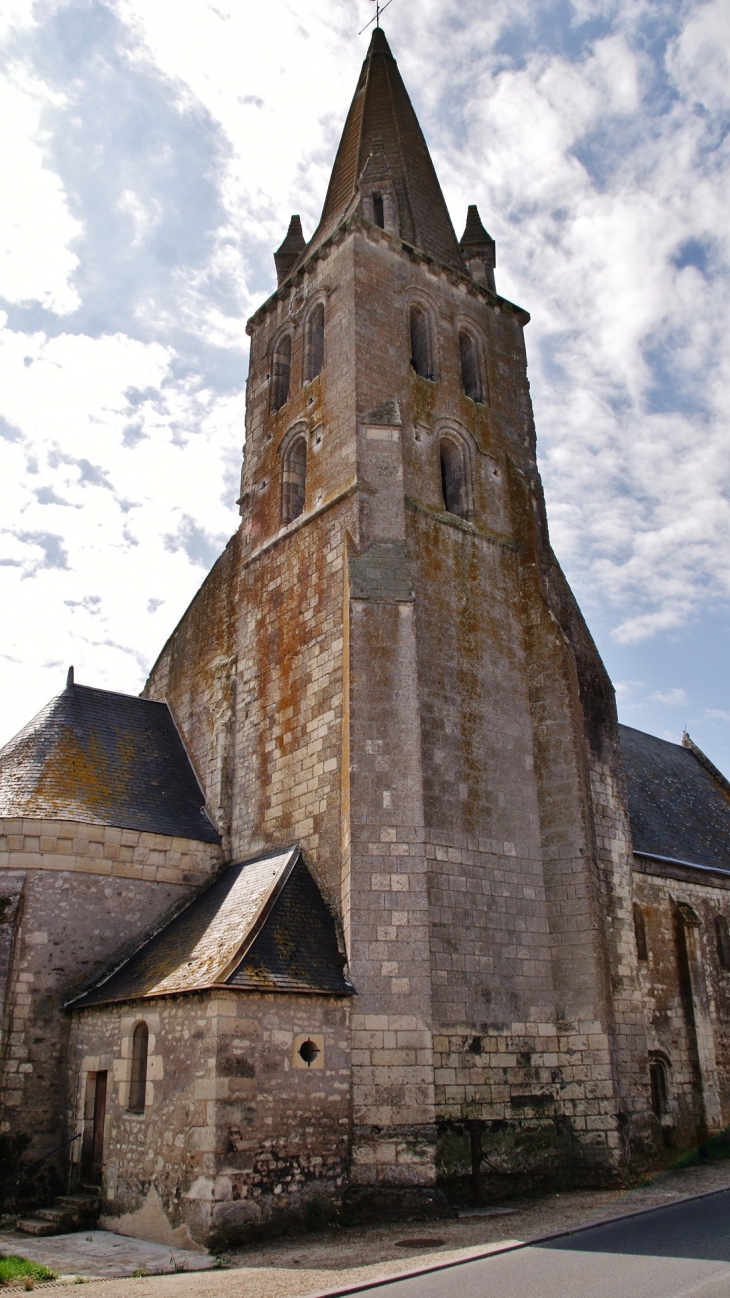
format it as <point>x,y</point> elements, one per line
<point>14,1268</point>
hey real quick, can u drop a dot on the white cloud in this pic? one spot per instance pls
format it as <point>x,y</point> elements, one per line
<point>36,227</point>
<point>670,698</point>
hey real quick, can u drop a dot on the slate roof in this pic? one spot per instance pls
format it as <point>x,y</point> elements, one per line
<point>678,808</point>
<point>261,926</point>
<point>104,759</point>
<point>381,112</point>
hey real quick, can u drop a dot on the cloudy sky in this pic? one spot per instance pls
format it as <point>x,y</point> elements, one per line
<point>156,153</point>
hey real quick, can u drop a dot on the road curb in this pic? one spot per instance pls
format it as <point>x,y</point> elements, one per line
<point>493,1250</point>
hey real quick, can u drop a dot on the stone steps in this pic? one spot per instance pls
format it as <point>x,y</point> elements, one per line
<point>69,1212</point>
<point>37,1226</point>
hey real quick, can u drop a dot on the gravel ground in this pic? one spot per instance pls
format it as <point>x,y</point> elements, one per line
<point>339,1256</point>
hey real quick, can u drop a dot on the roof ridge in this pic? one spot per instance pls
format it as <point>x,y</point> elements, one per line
<point>705,762</point>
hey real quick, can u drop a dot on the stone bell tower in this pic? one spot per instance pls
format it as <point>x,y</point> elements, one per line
<point>387,666</point>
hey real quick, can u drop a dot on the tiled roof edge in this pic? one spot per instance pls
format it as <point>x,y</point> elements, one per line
<point>673,860</point>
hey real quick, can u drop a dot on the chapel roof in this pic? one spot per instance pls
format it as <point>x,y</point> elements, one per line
<point>679,803</point>
<point>104,759</point>
<point>261,926</point>
<point>382,120</point>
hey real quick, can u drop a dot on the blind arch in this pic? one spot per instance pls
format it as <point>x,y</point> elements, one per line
<point>314,348</point>
<point>294,478</point>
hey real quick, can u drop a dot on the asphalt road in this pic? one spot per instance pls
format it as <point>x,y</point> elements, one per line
<point>673,1252</point>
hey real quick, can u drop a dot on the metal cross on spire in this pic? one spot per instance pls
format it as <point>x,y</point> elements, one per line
<point>378,10</point>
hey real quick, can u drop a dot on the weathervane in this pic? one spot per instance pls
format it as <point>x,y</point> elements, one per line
<point>378,10</point>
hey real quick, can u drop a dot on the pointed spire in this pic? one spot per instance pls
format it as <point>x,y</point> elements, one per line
<point>478,249</point>
<point>70,678</point>
<point>290,250</point>
<point>382,123</point>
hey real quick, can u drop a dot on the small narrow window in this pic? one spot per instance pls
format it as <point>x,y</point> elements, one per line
<point>294,482</point>
<point>454,478</point>
<point>722,936</point>
<point>658,1084</point>
<point>281,372</point>
<point>420,349</point>
<point>469,358</point>
<point>315,342</point>
<point>642,950</point>
<point>378,210</point>
<point>138,1079</point>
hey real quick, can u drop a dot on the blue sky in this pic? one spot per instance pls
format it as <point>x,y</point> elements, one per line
<point>156,155</point>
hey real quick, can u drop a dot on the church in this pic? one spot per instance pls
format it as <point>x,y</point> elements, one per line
<point>367,902</point>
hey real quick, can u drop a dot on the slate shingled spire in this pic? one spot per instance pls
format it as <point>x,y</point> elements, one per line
<point>382,113</point>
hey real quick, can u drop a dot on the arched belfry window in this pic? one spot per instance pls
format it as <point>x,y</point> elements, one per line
<point>294,478</point>
<point>421,349</point>
<point>314,359</point>
<point>281,372</point>
<point>469,360</point>
<point>455,476</point>
<point>138,1077</point>
<point>642,950</point>
<point>722,938</point>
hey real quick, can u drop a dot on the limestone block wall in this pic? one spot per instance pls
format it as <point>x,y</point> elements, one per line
<point>686,995</point>
<point>82,894</point>
<point>237,1132</point>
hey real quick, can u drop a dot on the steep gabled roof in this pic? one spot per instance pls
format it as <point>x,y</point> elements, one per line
<point>261,925</point>
<point>678,809</point>
<point>104,759</point>
<point>381,114</point>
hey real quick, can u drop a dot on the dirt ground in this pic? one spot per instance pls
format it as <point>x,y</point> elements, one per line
<point>337,1257</point>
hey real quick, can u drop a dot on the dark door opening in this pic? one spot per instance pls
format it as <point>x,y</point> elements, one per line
<point>92,1158</point>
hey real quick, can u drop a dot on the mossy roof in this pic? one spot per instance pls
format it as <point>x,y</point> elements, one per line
<point>104,759</point>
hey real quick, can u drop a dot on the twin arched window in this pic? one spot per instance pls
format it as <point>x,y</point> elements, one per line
<point>313,357</point>
<point>138,1076</point>
<point>294,478</point>
<point>423,351</point>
